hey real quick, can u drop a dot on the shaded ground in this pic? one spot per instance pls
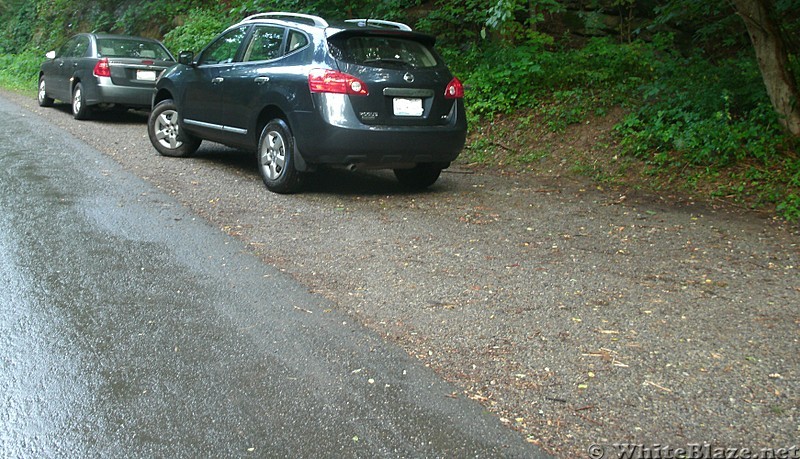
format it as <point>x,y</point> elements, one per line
<point>577,315</point>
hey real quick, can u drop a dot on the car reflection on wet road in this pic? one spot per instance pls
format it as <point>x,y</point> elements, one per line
<point>130,328</point>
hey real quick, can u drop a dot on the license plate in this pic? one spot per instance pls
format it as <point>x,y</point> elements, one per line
<point>407,107</point>
<point>146,75</point>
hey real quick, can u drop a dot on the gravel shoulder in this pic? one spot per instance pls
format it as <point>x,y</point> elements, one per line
<point>576,315</point>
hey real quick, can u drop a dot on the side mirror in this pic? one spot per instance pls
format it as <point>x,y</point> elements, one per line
<point>50,55</point>
<point>186,57</point>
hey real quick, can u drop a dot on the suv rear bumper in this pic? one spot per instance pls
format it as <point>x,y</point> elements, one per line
<point>322,142</point>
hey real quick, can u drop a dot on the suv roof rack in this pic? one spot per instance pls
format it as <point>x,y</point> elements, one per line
<point>314,20</point>
<point>380,23</point>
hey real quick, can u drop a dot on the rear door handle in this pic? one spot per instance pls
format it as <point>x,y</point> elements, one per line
<point>261,80</point>
<point>217,80</point>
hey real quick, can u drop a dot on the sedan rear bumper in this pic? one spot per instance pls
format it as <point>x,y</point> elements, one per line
<point>106,92</point>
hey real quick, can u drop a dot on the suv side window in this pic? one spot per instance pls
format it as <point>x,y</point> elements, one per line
<point>265,44</point>
<point>224,49</point>
<point>296,41</point>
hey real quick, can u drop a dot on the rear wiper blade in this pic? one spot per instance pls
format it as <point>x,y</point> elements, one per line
<point>388,60</point>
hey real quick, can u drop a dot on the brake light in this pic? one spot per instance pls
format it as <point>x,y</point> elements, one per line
<point>101,68</point>
<point>454,90</point>
<point>332,81</point>
<point>148,62</point>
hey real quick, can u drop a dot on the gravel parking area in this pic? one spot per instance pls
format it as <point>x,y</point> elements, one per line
<point>576,315</point>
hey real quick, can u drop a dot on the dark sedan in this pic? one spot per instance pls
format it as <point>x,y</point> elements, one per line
<point>103,70</point>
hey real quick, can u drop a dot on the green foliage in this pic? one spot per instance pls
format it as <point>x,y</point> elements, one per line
<point>455,23</point>
<point>502,79</point>
<point>19,30</point>
<point>699,118</point>
<point>708,114</point>
<point>789,207</point>
<point>789,190</point>
<point>200,27</point>
<point>515,19</point>
<point>20,71</point>
<point>332,9</point>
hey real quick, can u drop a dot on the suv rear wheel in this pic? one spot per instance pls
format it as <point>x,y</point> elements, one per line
<point>276,161</point>
<point>420,177</point>
<point>165,134</point>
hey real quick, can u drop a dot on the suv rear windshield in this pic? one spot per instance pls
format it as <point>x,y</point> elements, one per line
<point>386,52</point>
<point>120,47</point>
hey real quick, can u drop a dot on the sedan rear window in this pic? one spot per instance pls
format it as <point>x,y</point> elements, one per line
<point>386,52</point>
<point>116,47</point>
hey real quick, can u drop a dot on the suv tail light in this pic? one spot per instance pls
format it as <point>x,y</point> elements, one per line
<point>454,90</point>
<point>101,68</point>
<point>332,81</point>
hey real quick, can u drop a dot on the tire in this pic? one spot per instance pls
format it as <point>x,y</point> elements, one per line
<point>43,98</point>
<point>418,178</point>
<point>80,111</point>
<point>276,161</point>
<point>165,134</point>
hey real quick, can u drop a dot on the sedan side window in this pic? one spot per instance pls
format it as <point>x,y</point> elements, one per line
<point>67,49</point>
<point>224,49</point>
<point>81,48</point>
<point>265,45</point>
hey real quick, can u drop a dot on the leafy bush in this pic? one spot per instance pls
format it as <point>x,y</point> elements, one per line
<point>502,79</point>
<point>708,114</point>
<point>455,23</point>
<point>696,118</point>
<point>20,71</point>
<point>200,27</point>
<point>19,31</point>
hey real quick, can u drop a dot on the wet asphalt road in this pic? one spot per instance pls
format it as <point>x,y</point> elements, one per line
<point>131,328</point>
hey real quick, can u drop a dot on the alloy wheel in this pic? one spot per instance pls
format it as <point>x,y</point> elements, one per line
<point>166,129</point>
<point>273,155</point>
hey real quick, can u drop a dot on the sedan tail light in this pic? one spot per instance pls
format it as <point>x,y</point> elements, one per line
<point>454,90</point>
<point>101,68</point>
<point>332,81</point>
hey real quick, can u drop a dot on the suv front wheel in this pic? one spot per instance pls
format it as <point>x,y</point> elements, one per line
<point>276,161</point>
<point>165,134</point>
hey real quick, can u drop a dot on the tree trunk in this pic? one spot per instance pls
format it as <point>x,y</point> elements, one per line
<point>773,60</point>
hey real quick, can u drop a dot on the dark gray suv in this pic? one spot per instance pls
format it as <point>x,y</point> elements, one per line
<point>303,92</point>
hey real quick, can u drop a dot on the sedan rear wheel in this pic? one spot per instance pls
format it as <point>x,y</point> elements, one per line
<point>44,99</point>
<point>80,111</point>
<point>276,161</point>
<point>165,133</point>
